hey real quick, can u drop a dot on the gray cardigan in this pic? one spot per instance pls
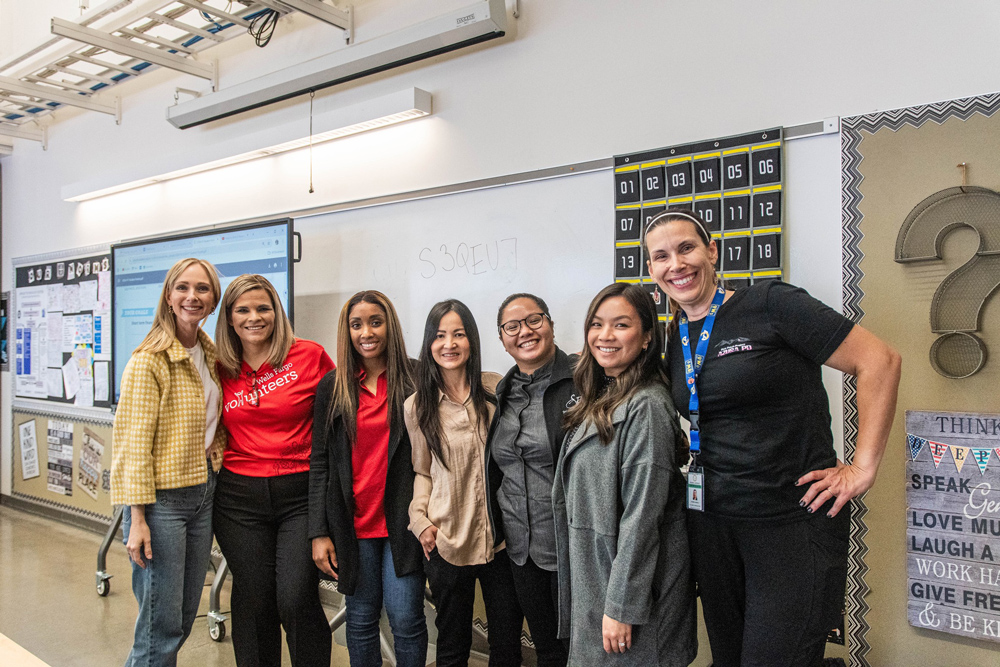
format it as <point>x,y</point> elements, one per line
<point>621,539</point>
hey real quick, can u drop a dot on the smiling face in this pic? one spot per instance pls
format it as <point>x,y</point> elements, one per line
<point>615,336</point>
<point>530,348</point>
<point>252,318</point>
<point>366,322</point>
<point>191,298</point>
<point>682,265</point>
<point>450,349</point>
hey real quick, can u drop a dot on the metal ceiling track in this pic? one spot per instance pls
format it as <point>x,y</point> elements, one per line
<point>123,39</point>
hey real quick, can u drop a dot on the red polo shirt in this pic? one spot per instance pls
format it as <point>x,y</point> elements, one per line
<point>274,437</point>
<point>370,459</point>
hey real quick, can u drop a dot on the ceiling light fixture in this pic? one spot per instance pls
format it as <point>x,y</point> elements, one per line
<point>369,115</point>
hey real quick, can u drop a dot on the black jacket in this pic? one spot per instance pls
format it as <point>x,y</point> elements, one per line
<point>558,398</point>
<point>331,493</point>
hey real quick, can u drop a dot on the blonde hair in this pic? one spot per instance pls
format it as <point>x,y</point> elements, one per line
<point>164,330</point>
<point>229,347</point>
<point>344,398</point>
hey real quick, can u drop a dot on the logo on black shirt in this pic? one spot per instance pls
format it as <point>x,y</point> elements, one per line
<point>732,345</point>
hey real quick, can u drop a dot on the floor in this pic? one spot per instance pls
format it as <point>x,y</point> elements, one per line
<point>50,607</point>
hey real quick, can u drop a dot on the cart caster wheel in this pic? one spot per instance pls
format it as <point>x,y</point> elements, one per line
<point>217,631</point>
<point>103,587</point>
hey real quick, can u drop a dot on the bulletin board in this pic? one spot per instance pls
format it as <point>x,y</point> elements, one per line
<point>894,162</point>
<point>63,462</point>
<point>60,328</point>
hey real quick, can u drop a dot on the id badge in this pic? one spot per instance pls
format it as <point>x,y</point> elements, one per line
<point>696,488</point>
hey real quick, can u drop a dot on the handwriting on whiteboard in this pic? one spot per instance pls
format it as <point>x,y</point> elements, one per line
<point>473,259</point>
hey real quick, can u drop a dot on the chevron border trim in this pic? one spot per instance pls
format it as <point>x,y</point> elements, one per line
<point>852,133</point>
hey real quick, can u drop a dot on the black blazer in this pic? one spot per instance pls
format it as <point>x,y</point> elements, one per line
<point>331,493</point>
<point>559,397</point>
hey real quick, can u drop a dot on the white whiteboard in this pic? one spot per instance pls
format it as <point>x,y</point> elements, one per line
<point>552,237</point>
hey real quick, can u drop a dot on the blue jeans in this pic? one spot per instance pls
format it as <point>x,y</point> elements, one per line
<point>403,598</point>
<point>169,588</point>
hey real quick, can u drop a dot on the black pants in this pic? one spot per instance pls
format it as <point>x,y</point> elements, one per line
<point>260,524</point>
<point>454,591</point>
<point>538,595</point>
<point>771,592</point>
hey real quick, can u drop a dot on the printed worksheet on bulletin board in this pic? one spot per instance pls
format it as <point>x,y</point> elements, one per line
<point>61,330</point>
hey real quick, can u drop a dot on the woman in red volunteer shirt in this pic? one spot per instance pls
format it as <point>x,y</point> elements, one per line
<point>269,380</point>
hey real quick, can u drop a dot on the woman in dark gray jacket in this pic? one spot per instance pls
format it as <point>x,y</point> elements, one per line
<point>625,589</point>
<point>522,449</point>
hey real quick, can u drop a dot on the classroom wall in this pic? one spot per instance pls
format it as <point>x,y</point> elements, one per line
<point>574,80</point>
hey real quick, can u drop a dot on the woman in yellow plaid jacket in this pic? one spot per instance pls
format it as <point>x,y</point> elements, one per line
<point>167,449</point>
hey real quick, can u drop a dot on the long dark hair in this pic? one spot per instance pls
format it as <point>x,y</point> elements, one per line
<point>597,403</point>
<point>430,383</point>
<point>344,398</point>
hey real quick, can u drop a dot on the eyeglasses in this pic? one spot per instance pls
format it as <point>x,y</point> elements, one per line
<point>533,321</point>
<point>253,394</point>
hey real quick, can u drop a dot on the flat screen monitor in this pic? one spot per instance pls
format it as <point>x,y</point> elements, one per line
<point>140,267</point>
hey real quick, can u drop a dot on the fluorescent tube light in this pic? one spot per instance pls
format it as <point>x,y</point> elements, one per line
<point>362,117</point>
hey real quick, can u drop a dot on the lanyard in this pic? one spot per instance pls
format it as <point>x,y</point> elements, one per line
<point>693,367</point>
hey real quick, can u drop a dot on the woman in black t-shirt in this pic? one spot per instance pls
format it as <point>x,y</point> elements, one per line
<point>769,544</point>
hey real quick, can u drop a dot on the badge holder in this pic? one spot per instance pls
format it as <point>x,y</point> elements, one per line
<point>696,474</point>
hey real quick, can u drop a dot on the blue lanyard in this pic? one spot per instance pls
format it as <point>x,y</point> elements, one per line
<point>693,367</point>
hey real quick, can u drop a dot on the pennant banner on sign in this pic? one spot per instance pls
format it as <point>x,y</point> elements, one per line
<point>959,454</point>
<point>937,451</point>
<point>982,458</point>
<point>916,444</point>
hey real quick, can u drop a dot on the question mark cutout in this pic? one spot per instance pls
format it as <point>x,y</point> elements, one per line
<point>957,305</point>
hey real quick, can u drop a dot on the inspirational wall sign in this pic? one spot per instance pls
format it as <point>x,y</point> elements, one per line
<point>953,522</point>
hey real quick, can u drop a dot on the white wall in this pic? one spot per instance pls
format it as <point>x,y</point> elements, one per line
<point>576,80</point>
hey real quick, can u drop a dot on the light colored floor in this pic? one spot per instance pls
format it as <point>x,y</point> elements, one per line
<point>50,607</point>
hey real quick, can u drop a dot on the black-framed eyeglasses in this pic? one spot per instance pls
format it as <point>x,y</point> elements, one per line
<point>253,393</point>
<point>533,322</point>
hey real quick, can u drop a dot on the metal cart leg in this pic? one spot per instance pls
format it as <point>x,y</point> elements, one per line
<point>217,620</point>
<point>103,579</point>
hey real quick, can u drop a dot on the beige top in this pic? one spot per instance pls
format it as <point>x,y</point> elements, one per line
<point>453,499</point>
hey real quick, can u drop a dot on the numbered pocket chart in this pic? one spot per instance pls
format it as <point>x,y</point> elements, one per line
<point>61,329</point>
<point>733,183</point>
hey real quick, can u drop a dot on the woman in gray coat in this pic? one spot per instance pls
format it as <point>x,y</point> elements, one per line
<point>625,589</point>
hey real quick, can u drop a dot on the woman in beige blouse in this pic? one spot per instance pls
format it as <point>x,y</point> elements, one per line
<point>447,420</point>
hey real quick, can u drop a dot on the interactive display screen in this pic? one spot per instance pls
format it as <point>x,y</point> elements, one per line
<point>140,267</point>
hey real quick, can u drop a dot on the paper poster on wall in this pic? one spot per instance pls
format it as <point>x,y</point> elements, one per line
<point>4,366</point>
<point>953,522</point>
<point>102,337</point>
<point>30,341</point>
<point>60,465</point>
<point>101,387</point>
<point>88,475</point>
<point>29,450</point>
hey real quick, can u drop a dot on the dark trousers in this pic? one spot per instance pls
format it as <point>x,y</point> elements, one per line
<point>538,595</point>
<point>260,524</point>
<point>771,592</point>
<point>453,589</point>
